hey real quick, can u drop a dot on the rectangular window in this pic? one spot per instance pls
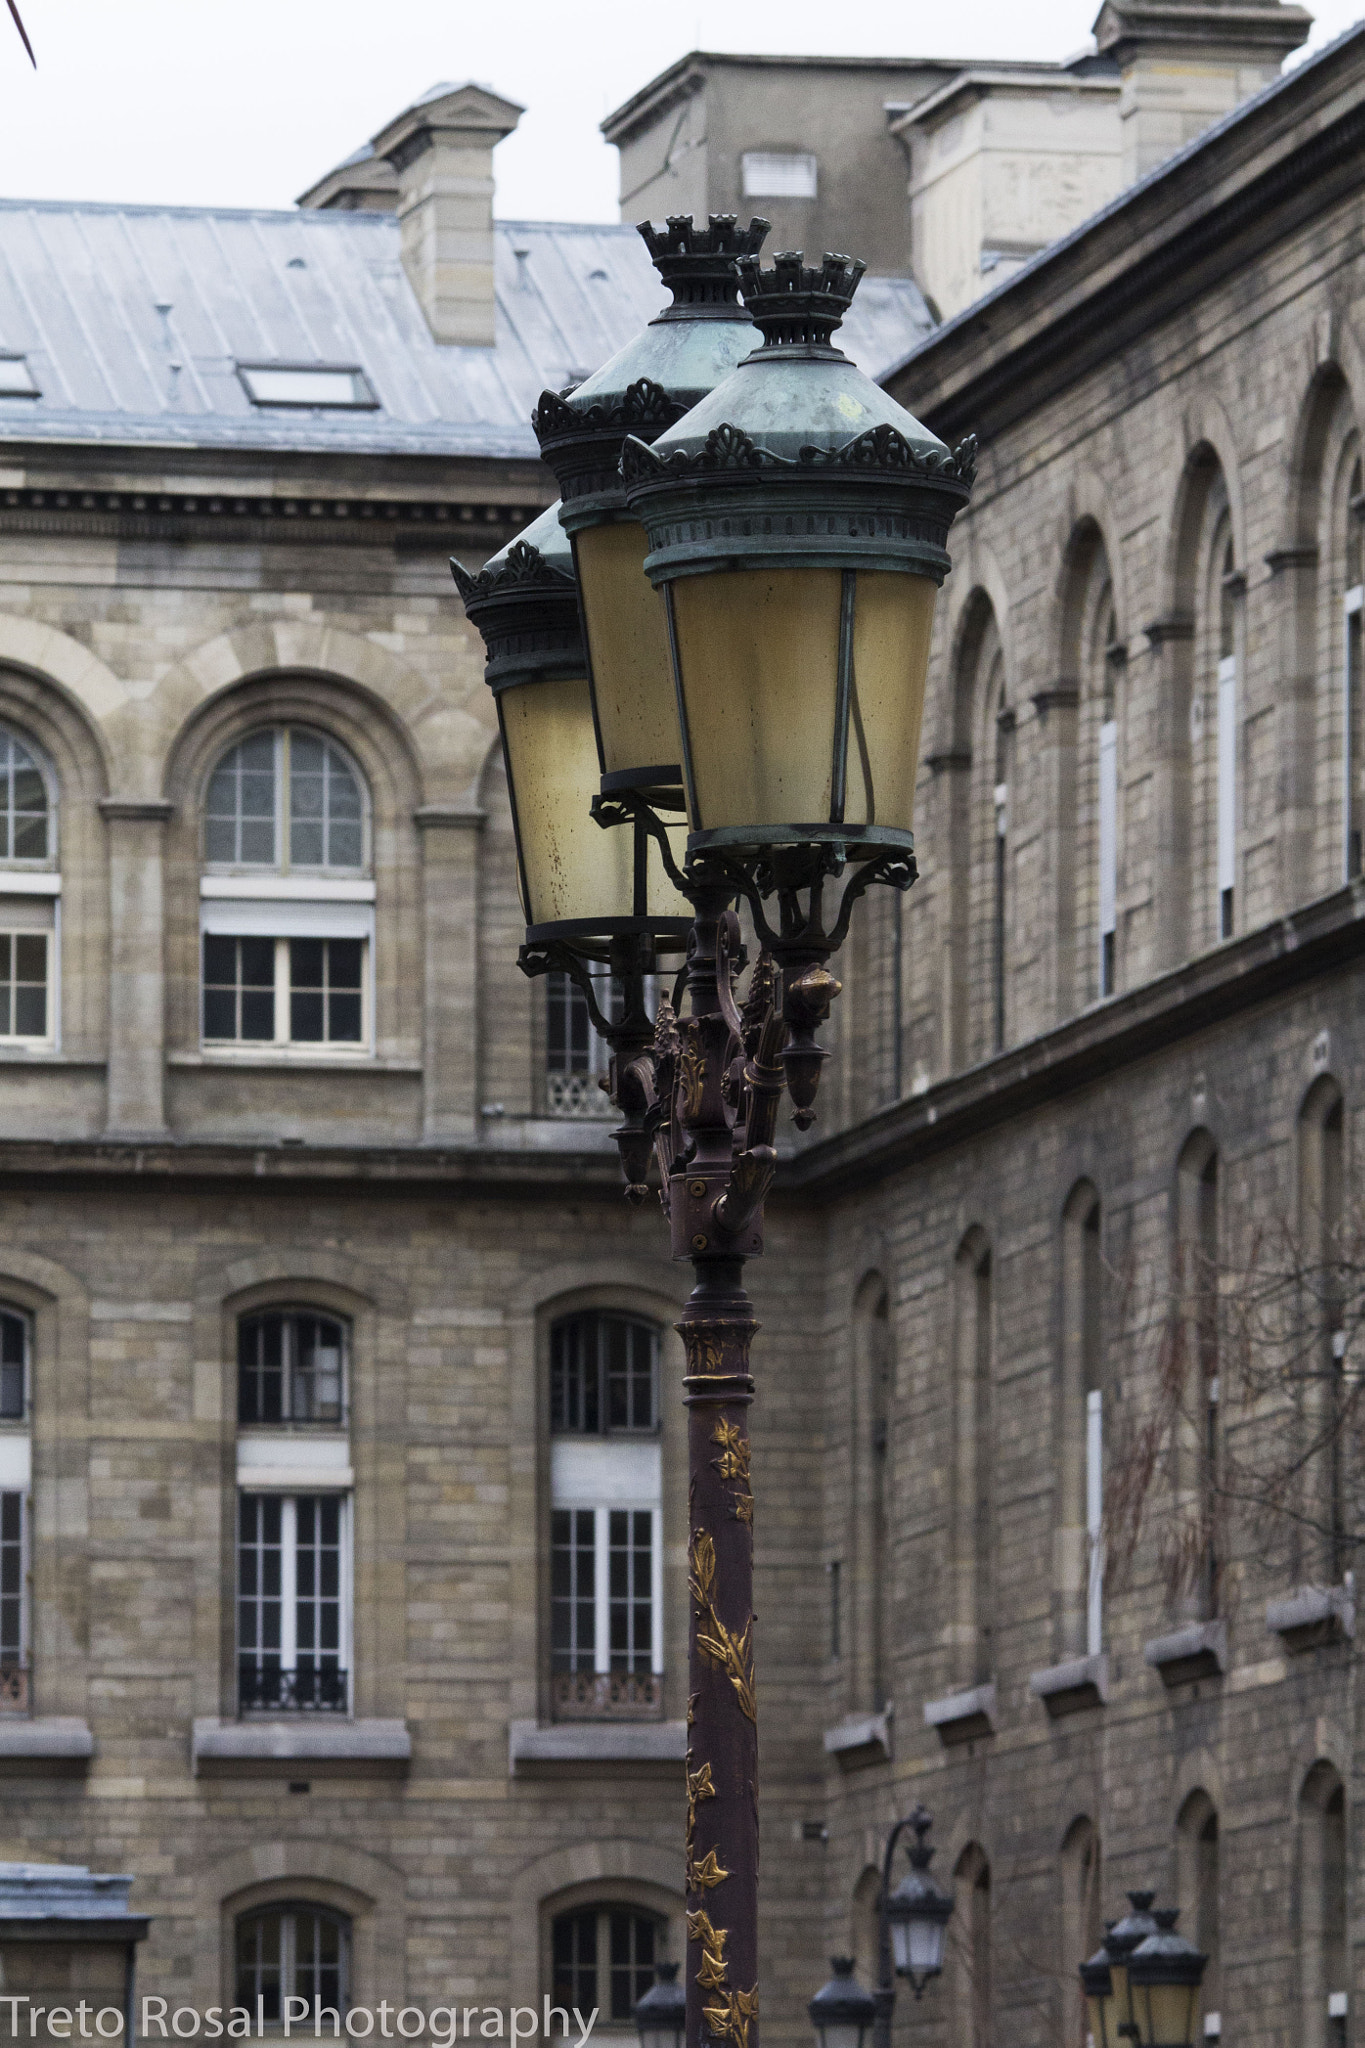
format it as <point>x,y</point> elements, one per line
<point>13,1603</point>
<point>631,1588</point>
<point>604,1372</point>
<point>1109,849</point>
<point>1094,1521</point>
<point>779,174</point>
<point>16,378</point>
<point>606,1587</point>
<point>1353,749</point>
<point>281,991</point>
<point>307,384</point>
<point>293,1619</point>
<point>24,1008</point>
<point>1227,793</point>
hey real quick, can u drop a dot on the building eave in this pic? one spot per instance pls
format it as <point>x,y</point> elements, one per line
<point>1236,190</point>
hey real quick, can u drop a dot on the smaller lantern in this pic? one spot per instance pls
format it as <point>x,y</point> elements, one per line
<point>661,2015</point>
<point>797,520</point>
<point>1165,1973</point>
<point>1097,1986</point>
<point>842,2010</point>
<point>580,882</point>
<point>918,1912</point>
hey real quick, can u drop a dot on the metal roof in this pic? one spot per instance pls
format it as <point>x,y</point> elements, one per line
<point>133,320</point>
<point>64,1891</point>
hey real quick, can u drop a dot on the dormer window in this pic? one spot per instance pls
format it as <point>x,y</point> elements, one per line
<point>308,385</point>
<point>16,378</point>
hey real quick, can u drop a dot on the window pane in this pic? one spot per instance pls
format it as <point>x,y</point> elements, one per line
<point>239,807</point>
<point>23,803</point>
<point>325,978</point>
<point>325,808</point>
<point>13,1362</point>
<point>305,1018</point>
<point>574,1948</point>
<point>632,1937</point>
<point>571,1598</point>
<point>603,1373</point>
<point>23,984</point>
<point>258,1016</point>
<point>631,1583</point>
<point>239,988</point>
<point>12,1644</point>
<point>260,1368</point>
<point>318,1600</point>
<point>316,1380</point>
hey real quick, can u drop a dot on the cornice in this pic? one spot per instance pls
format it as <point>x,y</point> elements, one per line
<point>410,525</point>
<point>1168,241</point>
<point>1093,1048</point>
<point>478,1171</point>
<point>137,809</point>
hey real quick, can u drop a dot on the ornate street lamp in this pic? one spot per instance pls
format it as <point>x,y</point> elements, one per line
<point>653,381</point>
<point>661,2015</point>
<point>842,2011</point>
<point>796,522</point>
<point>1120,1941</point>
<point>1165,1973</point>
<point>917,1912</point>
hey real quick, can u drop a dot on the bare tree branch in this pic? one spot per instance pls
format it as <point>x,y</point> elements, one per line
<point>23,33</point>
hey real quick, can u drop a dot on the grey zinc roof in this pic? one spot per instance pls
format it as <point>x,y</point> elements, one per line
<point>133,319</point>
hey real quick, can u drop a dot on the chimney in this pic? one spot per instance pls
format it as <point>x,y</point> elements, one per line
<point>1184,64</point>
<point>441,150</point>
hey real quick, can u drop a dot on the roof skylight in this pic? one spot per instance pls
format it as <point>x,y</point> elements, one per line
<point>307,384</point>
<point>16,378</point>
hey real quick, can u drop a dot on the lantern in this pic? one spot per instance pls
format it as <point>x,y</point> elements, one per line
<point>918,1912</point>
<point>661,2015</point>
<point>842,2010</point>
<point>1164,1975</point>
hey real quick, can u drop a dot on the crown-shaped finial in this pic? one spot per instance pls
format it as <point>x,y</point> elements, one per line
<point>698,264</point>
<point>795,304</point>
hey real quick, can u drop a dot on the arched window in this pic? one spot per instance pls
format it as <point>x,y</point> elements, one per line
<point>1197,1888</point>
<point>1322,1895</point>
<point>969,1935</point>
<point>872,1368</point>
<point>286,799</point>
<point>1196,1336</point>
<point>1087,772</point>
<point>293,1951</point>
<point>1079,1546</point>
<point>1353,676</point>
<point>293,1525</point>
<point>1004,722</point>
<point>1225,605</point>
<point>28,842</point>
<point>606,1535</point>
<point>1081,1927</point>
<point>16,1341</point>
<point>287,915</point>
<point>973,1462</point>
<point>603,1958</point>
<point>1320,1232</point>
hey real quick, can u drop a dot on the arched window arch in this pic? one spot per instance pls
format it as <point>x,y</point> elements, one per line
<point>969,1947</point>
<point>1092,660</point>
<point>1196,1336</point>
<point>1348,540</point>
<point>1322,1944</point>
<point>973,1461</point>
<point>1079,1556</point>
<point>603,1957</point>
<point>1321,1215</point>
<point>606,1518</point>
<point>872,1379</point>
<point>294,1521</point>
<point>293,1950</point>
<point>1198,1887</point>
<point>287,911</point>
<point>1080,1922</point>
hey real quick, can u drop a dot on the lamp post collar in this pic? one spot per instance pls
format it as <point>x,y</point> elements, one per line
<point>795,305</point>
<point>699,264</point>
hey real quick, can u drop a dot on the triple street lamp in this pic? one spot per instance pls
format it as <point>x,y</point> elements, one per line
<point>1142,1984</point>
<point>755,567</point>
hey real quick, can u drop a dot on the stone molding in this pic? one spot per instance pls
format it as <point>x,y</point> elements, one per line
<point>48,1746</point>
<point>1312,1616</point>
<point>329,1746</point>
<point>1199,1650</point>
<point>860,1739</point>
<point>137,810</point>
<point>585,1748</point>
<point>1072,1686</point>
<point>962,1716</point>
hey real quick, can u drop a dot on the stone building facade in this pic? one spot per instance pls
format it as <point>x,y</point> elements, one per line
<point>341,1516</point>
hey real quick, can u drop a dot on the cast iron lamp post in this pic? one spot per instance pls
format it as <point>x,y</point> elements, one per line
<point>912,1923</point>
<point>842,2011</point>
<point>795,521</point>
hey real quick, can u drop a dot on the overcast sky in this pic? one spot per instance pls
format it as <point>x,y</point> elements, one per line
<point>246,102</point>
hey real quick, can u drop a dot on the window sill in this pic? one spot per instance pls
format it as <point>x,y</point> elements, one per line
<point>290,1056</point>
<point>1072,1686</point>
<point>584,1748</point>
<point>1311,1617</point>
<point>962,1716</point>
<point>44,1054</point>
<point>50,1746</point>
<point>1198,1651</point>
<point>329,1746</point>
<point>860,1739</point>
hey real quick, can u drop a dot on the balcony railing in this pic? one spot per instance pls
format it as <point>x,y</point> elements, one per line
<point>14,1697</point>
<point>576,1095</point>
<point>264,1690</point>
<point>607,1696</point>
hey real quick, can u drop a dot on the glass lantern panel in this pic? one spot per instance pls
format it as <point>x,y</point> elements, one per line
<point>926,1939</point>
<point>572,868</point>
<point>839,2034</point>
<point>1118,1980</point>
<point>1166,2014</point>
<point>637,711</point>
<point>758,656</point>
<point>893,619</point>
<point>1100,2020</point>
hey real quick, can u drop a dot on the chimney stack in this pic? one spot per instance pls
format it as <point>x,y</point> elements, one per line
<point>1184,64</point>
<point>442,152</point>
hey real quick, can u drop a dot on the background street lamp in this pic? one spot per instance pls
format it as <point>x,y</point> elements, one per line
<point>1123,1937</point>
<point>661,2015</point>
<point>796,522</point>
<point>912,1922</point>
<point>1165,1973</point>
<point>842,2011</point>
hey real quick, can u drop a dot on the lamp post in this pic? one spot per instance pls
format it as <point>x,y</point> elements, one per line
<point>912,1922</point>
<point>842,2011</point>
<point>795,522</point>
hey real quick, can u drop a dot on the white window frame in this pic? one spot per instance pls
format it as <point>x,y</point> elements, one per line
<point>15,887</point>
<point>1094,1522</point>
<point>315,880</point>
<point>1108,851</point>
<point>289,1558</point>
<point>1353,634</point>
<point>283,917</point>
<point>1227,794</point>
<point>597,1475</point>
